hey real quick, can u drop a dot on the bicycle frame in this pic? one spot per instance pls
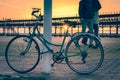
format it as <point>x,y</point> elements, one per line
<point>45,42</point>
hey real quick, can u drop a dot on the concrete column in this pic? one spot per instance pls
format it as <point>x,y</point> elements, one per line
<point>46,67</point>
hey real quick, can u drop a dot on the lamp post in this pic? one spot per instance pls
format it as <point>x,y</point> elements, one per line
<point>46,67</point>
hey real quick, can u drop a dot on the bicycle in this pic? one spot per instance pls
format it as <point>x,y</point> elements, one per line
<point>23,52</point>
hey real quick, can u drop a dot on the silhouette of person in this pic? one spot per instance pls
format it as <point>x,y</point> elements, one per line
<point>97,7</point>
<point>85,15</point>
<point>93,21</point>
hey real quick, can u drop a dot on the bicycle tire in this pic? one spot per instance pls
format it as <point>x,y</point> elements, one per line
<point>22,63</point>
<point>94,59</point>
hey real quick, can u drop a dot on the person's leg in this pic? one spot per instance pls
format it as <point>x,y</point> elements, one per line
<point>96,29</point>
<point>90,26</point>
<point>84,25</point>
<point>83,22</point>
<point>96,24</point>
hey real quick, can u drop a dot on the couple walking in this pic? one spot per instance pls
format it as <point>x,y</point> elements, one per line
<point>88,13</point>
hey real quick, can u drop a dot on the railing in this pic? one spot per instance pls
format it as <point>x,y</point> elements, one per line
<point>7,27</point>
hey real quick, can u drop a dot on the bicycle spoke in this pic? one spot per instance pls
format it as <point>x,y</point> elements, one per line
<point>18,62</point>
<point>90,58</point>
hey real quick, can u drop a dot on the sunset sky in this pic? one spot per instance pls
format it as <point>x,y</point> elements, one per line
<point>21,9</point>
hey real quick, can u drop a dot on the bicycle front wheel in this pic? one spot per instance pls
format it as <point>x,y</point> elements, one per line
<point>84,58</point>
<point>19,62</point>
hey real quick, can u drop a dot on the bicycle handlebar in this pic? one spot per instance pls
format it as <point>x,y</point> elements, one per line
<point>37,10</point>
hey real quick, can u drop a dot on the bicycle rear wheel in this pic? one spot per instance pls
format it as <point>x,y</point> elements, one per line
<point>84,58</point>
<point>18,62</point>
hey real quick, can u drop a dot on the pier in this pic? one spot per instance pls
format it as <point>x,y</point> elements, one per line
<point>109,25</point>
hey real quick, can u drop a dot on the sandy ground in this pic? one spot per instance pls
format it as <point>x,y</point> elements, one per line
<point>110,69</point>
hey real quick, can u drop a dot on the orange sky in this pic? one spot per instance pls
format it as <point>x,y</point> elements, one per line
<point>21,9</point>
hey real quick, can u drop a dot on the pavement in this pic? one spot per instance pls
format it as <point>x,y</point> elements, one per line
<point>110,70</point>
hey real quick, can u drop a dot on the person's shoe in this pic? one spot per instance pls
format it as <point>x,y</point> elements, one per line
<point>83,42</point>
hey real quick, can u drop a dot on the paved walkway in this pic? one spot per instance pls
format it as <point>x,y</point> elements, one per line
<point>110,70</point>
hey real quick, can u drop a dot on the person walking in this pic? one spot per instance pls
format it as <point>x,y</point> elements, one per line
<point>90,19</point>
<point>86,14</point>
